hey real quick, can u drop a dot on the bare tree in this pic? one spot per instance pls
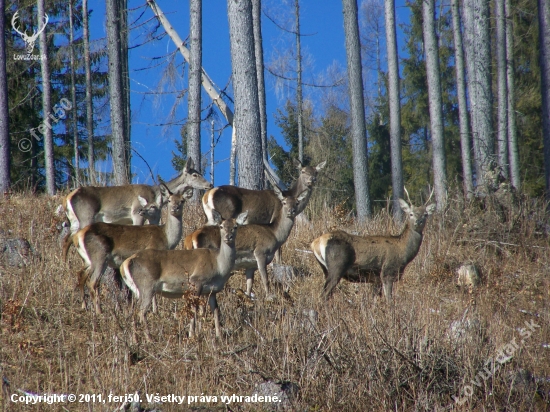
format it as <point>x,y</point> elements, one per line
<point>74,114</point>
<point>124,35</point>
<point>5,160</point>
<point>46,104</point>
<point>194,92</point>
<point>245,89</point>
<point>259,53</point>
<point>502,90</point>
<point>436,105</point>
<point>89,96</point>
<point>464,123</point>
<point>395,108</point>
<point>513,149</point>
<point>544,41</point>
<point>299,92</point>
<point>116,93</point>
<point>358,127</point>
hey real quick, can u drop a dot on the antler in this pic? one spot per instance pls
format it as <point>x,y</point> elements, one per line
<point>408,197</point>
<point>36,34</point>
<point>13,23</point>
<point>431,194</point>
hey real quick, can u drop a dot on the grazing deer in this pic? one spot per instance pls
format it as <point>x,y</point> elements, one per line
<point>171,272</point>
<point>373,259</point>
<point>262,205</point>
<point>126,204</point>
<point>101,244</point>
<point>256,244</point>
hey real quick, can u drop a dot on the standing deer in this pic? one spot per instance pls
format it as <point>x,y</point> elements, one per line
<point>256,244</point>
<point>171,272</point>
<point>125,204</point>
<point>101,244</point>
<point>374,259</point>
<point>262,205</point>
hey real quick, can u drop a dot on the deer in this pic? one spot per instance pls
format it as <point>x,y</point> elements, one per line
<point>262,205</point>
<point>29,40</point>
<point>171,272</point>
<point>129,203</point>
<point>375,259</point>
<point>256,244</point>
<point>104,244</point>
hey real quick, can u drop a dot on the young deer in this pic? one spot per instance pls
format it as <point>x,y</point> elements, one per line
<point>262,205</point>
<point>101,244</point>
<point>171,272</point>
<point>126,204</point>
<point>373,259</point>
<point>256,244</point>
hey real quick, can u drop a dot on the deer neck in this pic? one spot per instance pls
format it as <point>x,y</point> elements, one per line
<point>173,230</point>
<point>411,241</point>
<point>281,227</point>
<point>226,258</point>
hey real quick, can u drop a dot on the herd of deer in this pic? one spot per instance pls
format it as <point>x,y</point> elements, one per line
<point>245,229</point>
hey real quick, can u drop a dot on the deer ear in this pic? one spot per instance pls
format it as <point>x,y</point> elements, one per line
<point>241,219</point>
<point>190,164</point>
<point>278,192</point>
<point>188,193</point>
<point>430,209</point>
<point>164,191</point>
<point>142,201</point>
<point>404,206</point>
<point>217,217</point>
<point>321,165</point>
<point>302,196</point>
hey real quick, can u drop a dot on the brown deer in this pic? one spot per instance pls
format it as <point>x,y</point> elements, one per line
<point>375,259</point>
<point>171,272</point>
<point>125,204</point>
<point>101,244</point>
<point>262,205</point>
<point>256,244</point>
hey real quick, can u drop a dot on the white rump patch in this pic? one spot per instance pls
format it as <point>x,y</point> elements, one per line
<point>209,206</point>
<point>75,224</point>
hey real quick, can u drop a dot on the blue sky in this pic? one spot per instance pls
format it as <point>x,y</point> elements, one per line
<point>151,137</point>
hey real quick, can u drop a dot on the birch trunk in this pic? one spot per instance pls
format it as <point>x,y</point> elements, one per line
<point>357,103</point>
<point>46,105</point>
<point>245,88</point>
<point>395,108</point>
<point>435,103</point>
<point>544,41</point>
<point>464,125</point>
<point>5,160</point>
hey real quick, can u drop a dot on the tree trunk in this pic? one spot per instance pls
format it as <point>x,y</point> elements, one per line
<point>74,113</point>
<point>464,125</point>
<point>116,92</point>
<point>245,88</point>
<point>259,53</point>
<point>46,105</point>
<point>544,41</point>
<point>357,104</point>
<point>299,93</point>
<point>513,149</point>
<point>124,35</point>
<point>194,93</point>
<point>5,160</point>
<point>89,97</point>
<point>395,108</point>
<point>502,90</point>
<point>435,103</point>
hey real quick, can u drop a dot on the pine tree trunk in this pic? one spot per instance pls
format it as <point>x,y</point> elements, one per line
<point>245,87</point>
<point>46,105</point>
<point>116,92</point>
<point>358,127</point>
<point>513,149</point>
<point>89,97</point>
<point>194,93</point>
<point>74,112</point>
<point>544,41</point>
<point>299,93</point>
<point>435,103</point>
<point>259,53</point>
<point>5,160</point>
<point>395,108</point>
<point>502,91</point>
<point>464,123</point>
<point>124,33</point>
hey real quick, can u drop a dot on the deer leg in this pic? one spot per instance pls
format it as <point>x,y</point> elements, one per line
<point>278,257</point>
<point>82,277</point>
<point>249,273</point>
<point>216,311</point>
<point>330,283</point>
<point>93,283</point>
<point>144,305</point>
<point>193,324</point>
<point>388,285</point>
<point>262,267</point>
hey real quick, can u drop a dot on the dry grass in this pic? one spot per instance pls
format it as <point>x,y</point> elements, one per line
<point>359,355</point>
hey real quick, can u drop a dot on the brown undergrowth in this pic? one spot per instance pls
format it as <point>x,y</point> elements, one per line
<point>355,353</point>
